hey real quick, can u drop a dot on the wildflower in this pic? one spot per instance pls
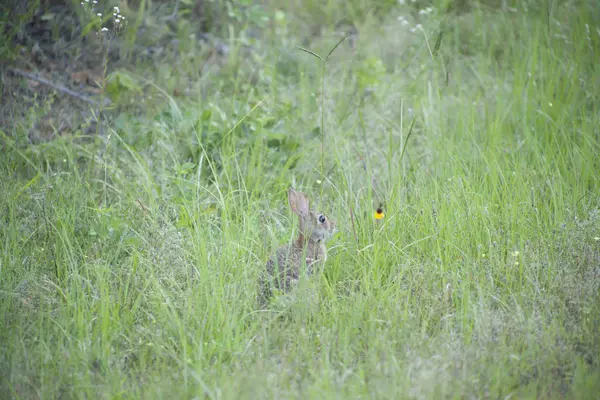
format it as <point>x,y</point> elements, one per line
<point>516,253</point>
<point>597,238</point>
<point>416,28</point>
<point>117,9</point>
<point>99,14</point>
<point>379,214</point>
<point>105,29</point>
<point>483,255</point>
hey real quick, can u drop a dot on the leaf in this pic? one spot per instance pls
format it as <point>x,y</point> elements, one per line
<point>438,43</point>
<point>187,166</point>
<point>310,52</point>
<point>94,24</point>
<point>119,83</point>
<point>370,72</point>
<point>125,81</point>
<point>336,45</point>
<point>258,16</point>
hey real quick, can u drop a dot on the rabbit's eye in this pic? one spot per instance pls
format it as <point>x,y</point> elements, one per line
<point>322,219</point>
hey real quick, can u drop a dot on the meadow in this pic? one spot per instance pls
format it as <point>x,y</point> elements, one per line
<point>131,248</point>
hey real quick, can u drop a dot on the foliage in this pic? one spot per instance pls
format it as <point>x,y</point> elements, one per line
<point>130,254</point>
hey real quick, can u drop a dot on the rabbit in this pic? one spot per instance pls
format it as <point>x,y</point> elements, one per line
<point>284,267</point>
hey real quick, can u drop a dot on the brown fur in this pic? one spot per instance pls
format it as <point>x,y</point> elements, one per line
<point>284,268</point>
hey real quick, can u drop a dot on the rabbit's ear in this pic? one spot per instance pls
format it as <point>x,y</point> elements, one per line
<point>298,202</point>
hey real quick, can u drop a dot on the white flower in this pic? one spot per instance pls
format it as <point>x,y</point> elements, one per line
<point>416,28</point>
<point>117,9</point>
<point>104,29</point>
<point>99,14</point>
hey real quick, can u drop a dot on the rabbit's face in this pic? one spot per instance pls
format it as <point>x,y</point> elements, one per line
<point>313,225</point>
<point>317,226</point>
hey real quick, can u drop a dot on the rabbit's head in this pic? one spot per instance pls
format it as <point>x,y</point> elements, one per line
<point>314,226</point>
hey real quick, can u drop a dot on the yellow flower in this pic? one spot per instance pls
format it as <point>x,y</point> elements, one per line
<point>379,214</point>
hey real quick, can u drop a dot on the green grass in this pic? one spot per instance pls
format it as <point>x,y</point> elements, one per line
<point>135,275</point>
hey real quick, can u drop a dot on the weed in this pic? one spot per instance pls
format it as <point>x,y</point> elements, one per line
<point>479,278</point>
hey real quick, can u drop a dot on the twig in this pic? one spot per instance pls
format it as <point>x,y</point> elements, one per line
<point>59,87</point>
<point>144,209</point>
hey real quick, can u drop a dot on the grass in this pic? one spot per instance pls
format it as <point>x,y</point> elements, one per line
<point>137,277</point>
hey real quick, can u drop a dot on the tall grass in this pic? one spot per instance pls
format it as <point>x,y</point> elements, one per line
<point>139,279</point>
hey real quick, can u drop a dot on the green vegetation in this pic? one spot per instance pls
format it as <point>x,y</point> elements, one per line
<point>131,248</point>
